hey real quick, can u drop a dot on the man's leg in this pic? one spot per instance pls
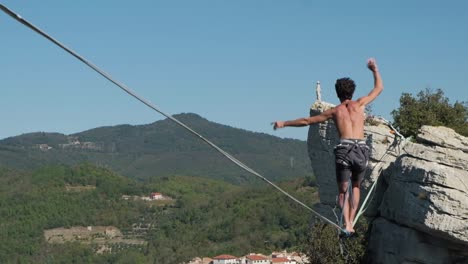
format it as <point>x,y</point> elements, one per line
<point>343,174</point>
<point>345,204</point>
<point>355,201</point>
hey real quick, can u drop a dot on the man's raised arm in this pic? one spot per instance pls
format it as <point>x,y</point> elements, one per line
<point>378,84</point>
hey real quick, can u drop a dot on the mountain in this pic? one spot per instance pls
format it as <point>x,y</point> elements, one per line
<point>161,149</point>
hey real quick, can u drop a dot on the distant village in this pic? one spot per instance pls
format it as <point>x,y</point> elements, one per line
<point>105,238</point>
<point>73,143</point>
<point>274,258</point>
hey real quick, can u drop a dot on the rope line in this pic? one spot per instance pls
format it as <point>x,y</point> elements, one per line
<point>150,105</point>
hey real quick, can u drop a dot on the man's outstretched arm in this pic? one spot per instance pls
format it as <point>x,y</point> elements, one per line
<point>378,84</point>
<point>324,116</point>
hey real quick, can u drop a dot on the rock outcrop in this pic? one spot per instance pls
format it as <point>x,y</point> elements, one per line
<point>419,211</point>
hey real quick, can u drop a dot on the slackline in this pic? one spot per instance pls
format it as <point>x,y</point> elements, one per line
<point>150,105</point>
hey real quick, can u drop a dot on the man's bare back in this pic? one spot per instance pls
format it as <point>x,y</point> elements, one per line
<point>349,120</point>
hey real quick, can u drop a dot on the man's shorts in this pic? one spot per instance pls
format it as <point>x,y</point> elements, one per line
<point>351,157</point>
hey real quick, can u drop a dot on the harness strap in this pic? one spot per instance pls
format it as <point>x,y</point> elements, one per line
<point>346,141</point>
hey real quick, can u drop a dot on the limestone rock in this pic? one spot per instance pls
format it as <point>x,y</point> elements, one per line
<point>428,197</point>
<point>447,156</point>
<point>444,137</point>
<point>393,243</point>
<point>321,140</point>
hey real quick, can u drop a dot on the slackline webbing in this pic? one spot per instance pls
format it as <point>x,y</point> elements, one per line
<point>150,105</point>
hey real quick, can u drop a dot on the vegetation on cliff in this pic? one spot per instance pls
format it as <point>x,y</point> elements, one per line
<point>430,108</point>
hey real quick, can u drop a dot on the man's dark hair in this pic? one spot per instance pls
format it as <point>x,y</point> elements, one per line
<point>345,88</point>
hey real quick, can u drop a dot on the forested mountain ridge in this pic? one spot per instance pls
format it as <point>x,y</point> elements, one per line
<point>162,148</point>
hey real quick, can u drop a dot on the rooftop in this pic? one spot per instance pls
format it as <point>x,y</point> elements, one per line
<point>225,257</point>
<point>279,260</point>
<point>256,257</point>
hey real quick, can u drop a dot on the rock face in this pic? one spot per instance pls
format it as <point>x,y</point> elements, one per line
<point>419,211</point>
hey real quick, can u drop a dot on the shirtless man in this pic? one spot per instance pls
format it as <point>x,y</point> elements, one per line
<point>352,153</point>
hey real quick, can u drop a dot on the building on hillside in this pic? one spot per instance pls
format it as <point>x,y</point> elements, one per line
<point>278,254</point>
<point>199,260</point>
<point>43,147</point>
<point>207,261</point>
<point>225,259</point>
<point>156,196</point>
<point>112,232</point>
<point>299,257</point>
<point>256,259</point>
<point>294,257</point>
<point>282,260</point>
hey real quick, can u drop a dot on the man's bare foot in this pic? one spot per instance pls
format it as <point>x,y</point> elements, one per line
<point>350,229</point>
<point>347,233</point>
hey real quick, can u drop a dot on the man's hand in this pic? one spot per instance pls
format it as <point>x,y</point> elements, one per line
<point>278,124</point>
<point>372,65</point>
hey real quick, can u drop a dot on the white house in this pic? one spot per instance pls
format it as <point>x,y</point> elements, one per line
<point>256,259</point>
<point>225,259</point>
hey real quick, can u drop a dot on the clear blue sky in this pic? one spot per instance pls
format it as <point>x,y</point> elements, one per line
<point>240,63</point>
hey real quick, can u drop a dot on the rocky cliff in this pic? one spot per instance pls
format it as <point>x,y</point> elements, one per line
<point>419,210</point>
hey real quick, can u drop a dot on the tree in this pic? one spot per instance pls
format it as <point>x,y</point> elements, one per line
<point>430,108</point>
<point>324,246</point>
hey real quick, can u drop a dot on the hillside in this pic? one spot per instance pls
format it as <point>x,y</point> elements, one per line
<point>206,217</point>
<point>163,149</point>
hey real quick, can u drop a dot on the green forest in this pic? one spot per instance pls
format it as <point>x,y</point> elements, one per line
<point>207,217</point>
